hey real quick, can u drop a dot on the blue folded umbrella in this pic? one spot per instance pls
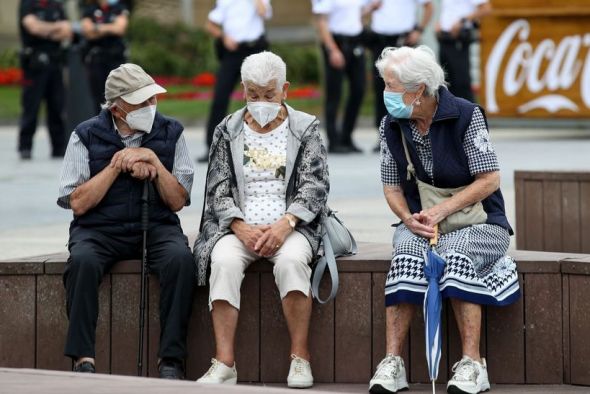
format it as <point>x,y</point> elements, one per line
<point>434,267</point>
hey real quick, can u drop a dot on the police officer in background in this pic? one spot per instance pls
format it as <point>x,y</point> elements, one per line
<point>104,24</point>
<point>339,24</point>
<point>238,27</point>
<point>43,26</point>
<point>456,30</point>
<point>394,24</point>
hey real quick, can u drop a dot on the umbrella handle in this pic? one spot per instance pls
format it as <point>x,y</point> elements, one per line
<point>434,240</point>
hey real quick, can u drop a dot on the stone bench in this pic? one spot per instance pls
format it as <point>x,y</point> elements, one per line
<point>541,339</point>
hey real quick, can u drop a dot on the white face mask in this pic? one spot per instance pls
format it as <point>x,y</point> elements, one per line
<point>141,119</point>
<point>263,112</point>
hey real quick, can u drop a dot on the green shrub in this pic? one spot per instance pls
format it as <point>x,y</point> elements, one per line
<point>170,50</point>
<point>9,58</point>
<point>177,50</point>
<point>303,61</point>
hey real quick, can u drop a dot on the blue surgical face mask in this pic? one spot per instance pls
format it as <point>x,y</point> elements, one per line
<point>394,102</point>
<point>113,2</point>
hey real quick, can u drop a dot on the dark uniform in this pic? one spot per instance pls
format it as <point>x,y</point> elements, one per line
<point>240,21</point>
<point>103,55</point>
<point>42,62</point>
<point>345,25</point>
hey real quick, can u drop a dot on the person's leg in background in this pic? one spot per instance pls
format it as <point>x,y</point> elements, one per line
<point>55,96</point>
<point>226,78</point>
<point>33,91</point>
<point>378,87</point>
<point>355,72</point>
<point>454,58</point>
<point>333,92</point>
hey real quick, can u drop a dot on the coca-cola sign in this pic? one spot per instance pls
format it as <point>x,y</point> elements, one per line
<point>542,72</point>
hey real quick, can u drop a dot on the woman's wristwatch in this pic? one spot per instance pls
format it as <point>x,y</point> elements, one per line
<point>291,219</point>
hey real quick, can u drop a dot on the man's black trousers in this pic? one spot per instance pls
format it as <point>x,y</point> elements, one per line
<point>226,78</point>
<point>454,58</point>
<point>92,254</point>
<point>43,84</point>
<point>354,71</point>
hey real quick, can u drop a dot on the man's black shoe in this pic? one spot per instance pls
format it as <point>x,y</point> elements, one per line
<point>354,149</point>
<point>25,154</point>
<point>171,368</point>
<point>84,367</point>
<point>203,159</point>
<point>339,149</point>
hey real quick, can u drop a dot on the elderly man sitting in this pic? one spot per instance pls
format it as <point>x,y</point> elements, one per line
<point>267,190</point>
<point>107,160</point>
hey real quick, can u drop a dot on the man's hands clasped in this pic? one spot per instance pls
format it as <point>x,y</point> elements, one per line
<point>140,163</point>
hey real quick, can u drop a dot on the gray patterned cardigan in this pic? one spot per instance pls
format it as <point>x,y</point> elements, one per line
<point>306,177</point>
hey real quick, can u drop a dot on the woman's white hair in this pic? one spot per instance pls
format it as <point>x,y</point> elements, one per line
<point>413,67</point>
<point>264,67</point>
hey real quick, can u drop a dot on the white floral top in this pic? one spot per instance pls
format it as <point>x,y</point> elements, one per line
<point>265,157</point>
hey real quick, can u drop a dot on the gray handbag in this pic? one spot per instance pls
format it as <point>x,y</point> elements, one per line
<point>431,195</point>
<point>337,242</point>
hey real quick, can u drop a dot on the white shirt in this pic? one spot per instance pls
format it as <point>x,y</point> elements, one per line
<point>396,16</point>
<point>452,11</point>
<point>239,20</point>
<point>344,16</point>
<point>265,158</point>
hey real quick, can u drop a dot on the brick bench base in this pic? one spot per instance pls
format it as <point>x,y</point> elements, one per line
<point>541,339</point>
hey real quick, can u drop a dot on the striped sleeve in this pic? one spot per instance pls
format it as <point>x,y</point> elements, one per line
<point>75,170</point>
<point>183,169</point>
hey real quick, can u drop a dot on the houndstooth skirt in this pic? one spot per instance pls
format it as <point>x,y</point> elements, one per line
<point>477,269</point>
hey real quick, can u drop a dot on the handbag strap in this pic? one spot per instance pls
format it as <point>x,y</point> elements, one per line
<point>327,261</point>
<point>411,171</point>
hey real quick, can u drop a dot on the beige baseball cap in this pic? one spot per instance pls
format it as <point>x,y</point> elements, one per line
<point>131,83</point>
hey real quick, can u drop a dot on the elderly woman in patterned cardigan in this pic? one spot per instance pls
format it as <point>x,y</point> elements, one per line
<point>267,187</point>
<point>448,144</point>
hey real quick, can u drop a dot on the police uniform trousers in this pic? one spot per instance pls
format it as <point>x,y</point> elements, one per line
<point>227,76</point>
<point>43,83</point>
<point>454,58</point>
<point>354,70</point>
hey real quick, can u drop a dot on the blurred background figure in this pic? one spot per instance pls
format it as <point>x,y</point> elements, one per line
<point>456,30</point>
<point>340,27</point>
<point>238,27</point>
<point>104,24</point>
<point>394,24</point>
<point>43,26</point>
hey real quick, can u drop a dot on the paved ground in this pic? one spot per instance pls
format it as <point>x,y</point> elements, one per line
<point>31,223</point>
<point>29,381</point>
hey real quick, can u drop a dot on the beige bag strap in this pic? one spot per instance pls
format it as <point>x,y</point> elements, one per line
<point>411,171</point>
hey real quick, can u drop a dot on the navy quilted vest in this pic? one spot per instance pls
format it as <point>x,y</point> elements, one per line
<point>122,203</point>
<point>450,165</point>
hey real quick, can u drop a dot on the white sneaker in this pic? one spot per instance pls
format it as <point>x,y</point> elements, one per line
<point>219,373</point>
<point>300,376</point>
<point>390,376</point>
<point>470,377</point>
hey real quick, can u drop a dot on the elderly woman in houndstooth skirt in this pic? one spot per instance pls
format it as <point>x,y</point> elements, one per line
<point>448,143</point>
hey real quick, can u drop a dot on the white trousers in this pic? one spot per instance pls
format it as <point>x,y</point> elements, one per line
<point>230,258</point>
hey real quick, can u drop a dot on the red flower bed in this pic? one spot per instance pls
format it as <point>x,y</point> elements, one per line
<point>10,76</point>
<point>14,76</point>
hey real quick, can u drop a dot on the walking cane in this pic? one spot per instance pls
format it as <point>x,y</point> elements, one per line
<point>144,273</point>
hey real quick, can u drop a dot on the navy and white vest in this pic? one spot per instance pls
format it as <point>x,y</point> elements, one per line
<point>450,164</point>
